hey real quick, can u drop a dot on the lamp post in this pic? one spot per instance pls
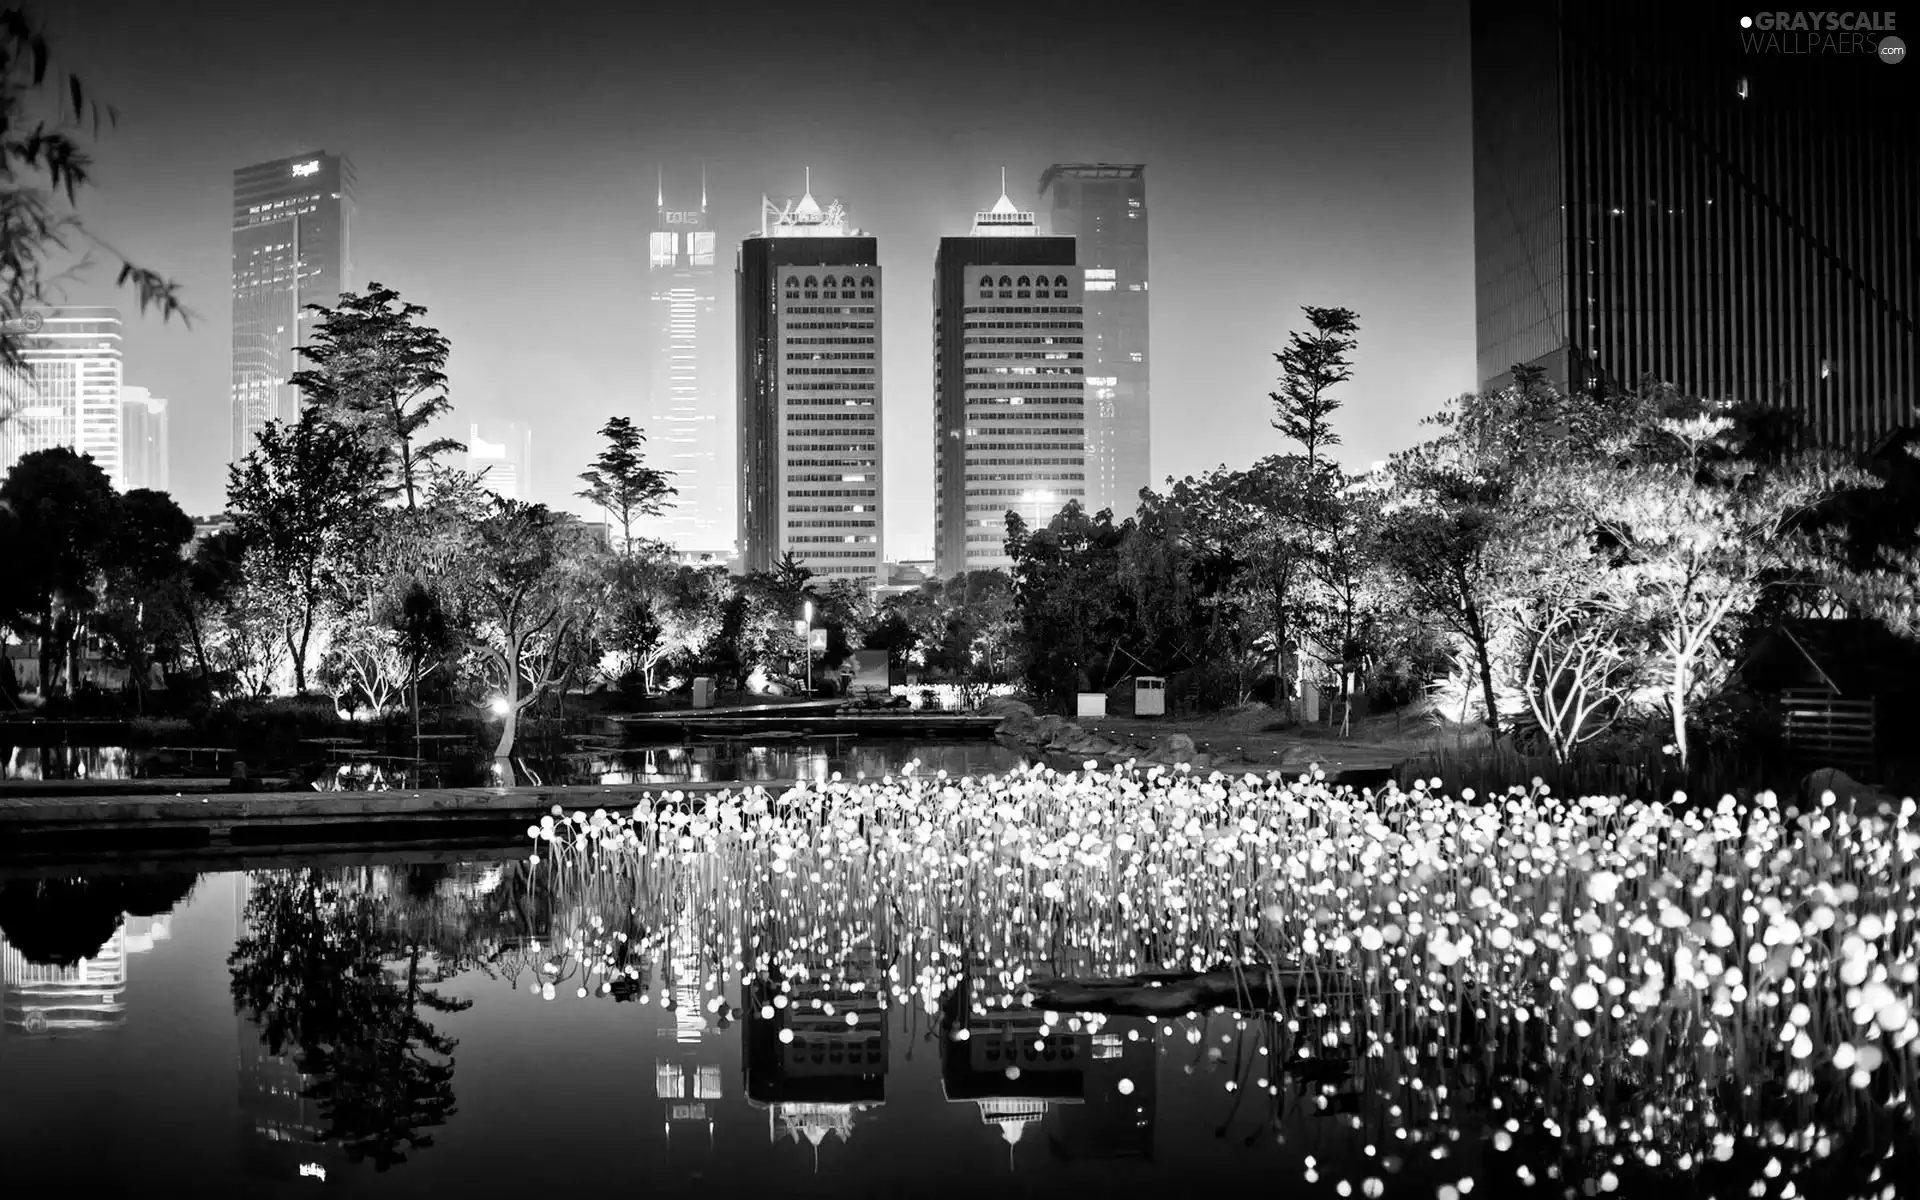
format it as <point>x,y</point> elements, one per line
<point>807,645</point>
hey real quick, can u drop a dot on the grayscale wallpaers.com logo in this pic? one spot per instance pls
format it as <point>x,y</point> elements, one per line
<point>1822,33</point>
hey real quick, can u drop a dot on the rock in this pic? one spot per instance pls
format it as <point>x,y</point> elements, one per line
<point>1006,707</point>
<point>1065,736</point>
<point>1179,747</point>
<point>1102,745</point>
<point>1201,762</point>
<point>1045,729</point>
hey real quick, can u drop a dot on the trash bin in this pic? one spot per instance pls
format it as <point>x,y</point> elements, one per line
<point>1092,704</point>
<point>703,691</point>
<point>1150,696</point>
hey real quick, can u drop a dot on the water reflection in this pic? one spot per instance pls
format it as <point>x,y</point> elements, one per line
<point>737,993</point>
<point>65,947</point>
<point>75,762</point>
<point>815,760</point>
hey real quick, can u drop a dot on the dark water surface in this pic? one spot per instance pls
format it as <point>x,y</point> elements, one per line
<point>411,999</point>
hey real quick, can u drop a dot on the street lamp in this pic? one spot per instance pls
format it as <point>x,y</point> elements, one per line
<point>807,645</point>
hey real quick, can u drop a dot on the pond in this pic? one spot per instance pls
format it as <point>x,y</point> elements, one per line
<point>355,768</point>
<point>846,993</point>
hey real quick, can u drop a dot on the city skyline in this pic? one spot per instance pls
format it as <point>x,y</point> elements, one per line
<point>543,325</point>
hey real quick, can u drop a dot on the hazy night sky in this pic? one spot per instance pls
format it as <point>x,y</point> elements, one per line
<point>1313,153</point>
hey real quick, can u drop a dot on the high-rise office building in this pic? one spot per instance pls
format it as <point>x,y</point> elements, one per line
<point>1010,365</point>
<point>501,453</point>
<point>689,410</point>
<point>809,393</point>
<point>291,221</point>
<point>1103,207</point>
<point>1661,191</point>
<point>67,389</point>
<point>143,439</point>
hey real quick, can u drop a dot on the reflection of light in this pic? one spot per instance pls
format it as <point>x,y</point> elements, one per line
<point>500,706</point>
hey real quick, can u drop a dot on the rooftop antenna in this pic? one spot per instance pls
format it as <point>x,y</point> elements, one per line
<point>660,184</point>
<point>809,171</point>
<point>703,185</point>
<point>1003,181</point>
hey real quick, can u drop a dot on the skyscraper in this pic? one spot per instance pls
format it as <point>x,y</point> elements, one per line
<point>1103,207</point>
<point>1009,375</point>
<point>1660,191</point>
<point>688,414</point>
<point>809,393</point>
<point>67,392</point>
<point>501,453</point>
<point>291,221</point>
<point>143,439</point>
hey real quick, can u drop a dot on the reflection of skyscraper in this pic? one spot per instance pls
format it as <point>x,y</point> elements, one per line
<point>810,394</point>
<point>67,392</point>
<point>815,1045</point>
<point>687,415</point>
<point>1103,206</point>
<point>1010,416</point>
<point>1014,1063</point>
<point>290,249</point>
<point>282,1129</point>
<point>688,1083</point>
<point>501,453</point>
<point>143,439</point>
<point>43,999</point>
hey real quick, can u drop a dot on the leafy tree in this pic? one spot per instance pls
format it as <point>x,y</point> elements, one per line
<point>1311,366</point>
<point>303,501</point>
<point>59,521</point>
<point>46,169</point>
<point>524,580</point>
<point>621,482</point>
<point>1072,609</point>
<point>1698,534</point>
<point>312,972</point>
<point>144,578</point>
<point>379,369</point>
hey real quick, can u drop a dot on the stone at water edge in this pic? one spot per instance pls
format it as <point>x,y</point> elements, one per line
<point>1066,735</point>
<point>1179,747</point>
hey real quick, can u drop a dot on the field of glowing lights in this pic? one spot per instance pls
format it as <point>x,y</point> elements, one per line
<point>1568,996</point>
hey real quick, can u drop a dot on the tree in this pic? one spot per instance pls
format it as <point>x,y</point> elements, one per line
<point>1310,367</point>
<point>312,973</point>
<point>1697,534</point>
<point>621,482</point>
<point>303,500</point>
<point>59,521</point>
<point>378,369</point>
<point>46,169</point>
<point>1072,608</point>
<point>144,577</point>
<point>524,566</point>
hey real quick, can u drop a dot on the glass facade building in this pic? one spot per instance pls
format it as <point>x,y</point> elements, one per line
<point>67,389</point>
<point>501,454</point>
<point>1103,207</point>
<point>688,421</point>
<point>143,439</point>
<point>1660,192</point>
<point>291,225</point>
<point>1009,380</point>
<point>810,397</point>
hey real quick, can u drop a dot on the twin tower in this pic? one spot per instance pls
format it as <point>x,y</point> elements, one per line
<point>1040,376</point>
